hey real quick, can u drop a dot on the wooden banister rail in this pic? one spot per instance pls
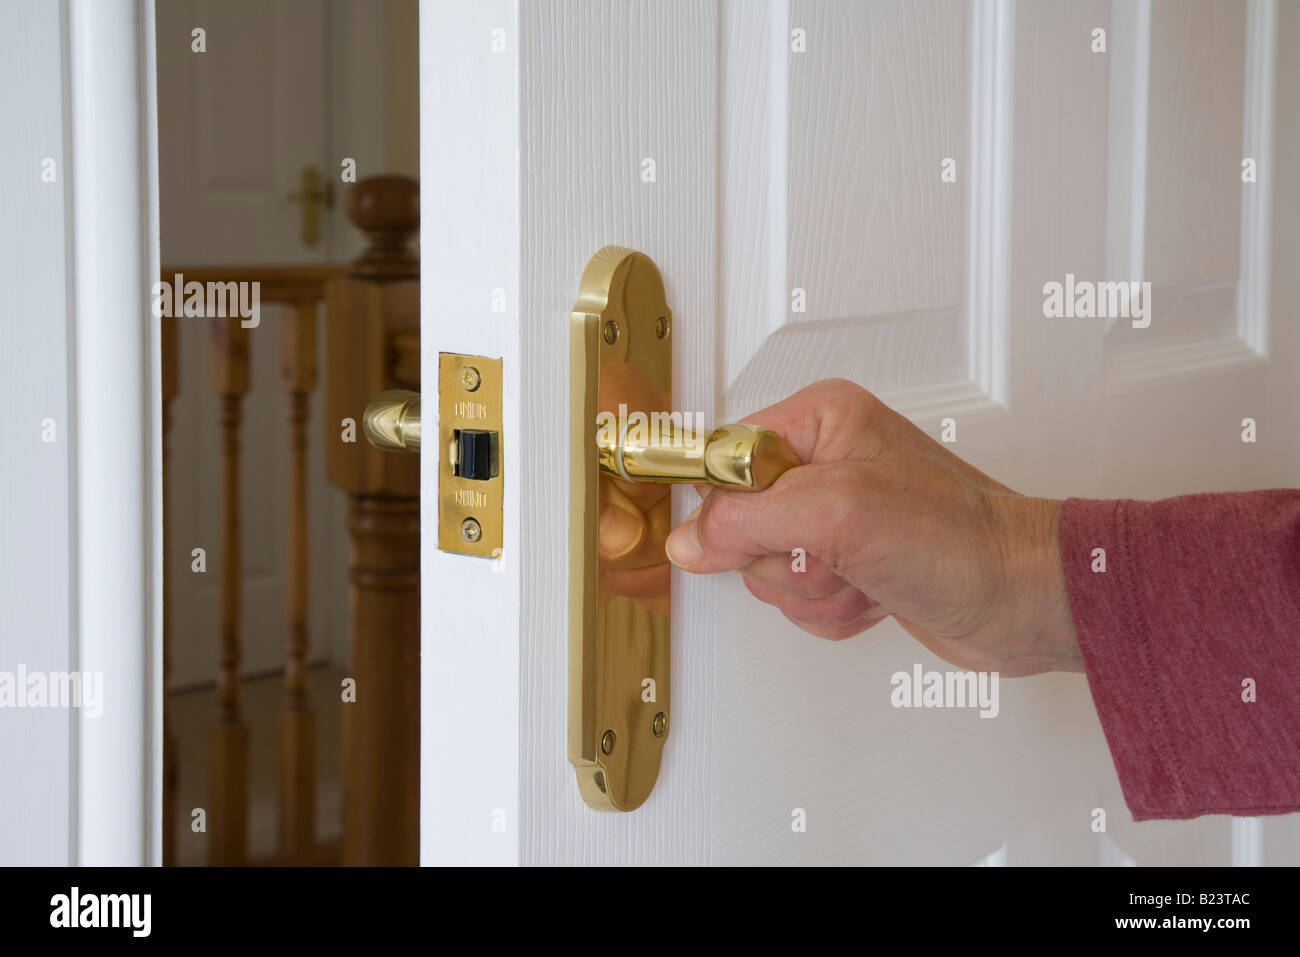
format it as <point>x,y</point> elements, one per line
<point>281,285</point>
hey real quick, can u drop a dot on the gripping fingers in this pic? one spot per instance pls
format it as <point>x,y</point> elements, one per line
<point>836,611</point>
<point>867,621</point>
<point>806,577</point>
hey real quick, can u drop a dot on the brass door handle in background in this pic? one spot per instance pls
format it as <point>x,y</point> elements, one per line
<point>313,193</point>
<point>392,421</point>
<point>743,457</point>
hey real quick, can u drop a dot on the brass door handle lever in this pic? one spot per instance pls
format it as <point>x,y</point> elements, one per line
<point>744,457</point>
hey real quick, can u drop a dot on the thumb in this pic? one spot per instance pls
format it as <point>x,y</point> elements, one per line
<point>814,507</point>
<point>621,525</point>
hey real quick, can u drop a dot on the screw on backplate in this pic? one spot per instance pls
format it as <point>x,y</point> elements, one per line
<point>660,724</point>
<point>471,530</point>
<point>607,742</point>
<point>611,332</point>
<point>470,378</point>
<point>661,327</point>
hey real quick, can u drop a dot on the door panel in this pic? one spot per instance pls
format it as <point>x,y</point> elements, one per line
<point>919,306</point>
<point>873,105</point>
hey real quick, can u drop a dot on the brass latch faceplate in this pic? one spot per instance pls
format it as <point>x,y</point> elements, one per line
<point>471,477</point>
<point>471,473</point>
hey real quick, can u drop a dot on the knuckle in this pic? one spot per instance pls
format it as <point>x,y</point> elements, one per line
<point>850,395</point>
<point>838,388</point>
<point>855,420</point>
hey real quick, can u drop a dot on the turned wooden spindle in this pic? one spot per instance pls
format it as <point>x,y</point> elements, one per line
<point>171,772</point>
<point>373,345</point>
<point>228,813</point>
<point>297,722</point>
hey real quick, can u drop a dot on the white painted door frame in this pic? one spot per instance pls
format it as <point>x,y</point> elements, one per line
<point>116,482</point>
<point>80,536</point>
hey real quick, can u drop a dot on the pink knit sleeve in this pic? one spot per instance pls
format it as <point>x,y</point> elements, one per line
<point>1191,643</point>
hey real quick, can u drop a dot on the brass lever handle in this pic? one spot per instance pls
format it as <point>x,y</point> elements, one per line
<point>392,421</point>
<point>745,457</point>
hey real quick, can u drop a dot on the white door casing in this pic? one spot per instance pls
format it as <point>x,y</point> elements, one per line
<point>819,170</point>
<point>82,527</point>
<point>81,584</point>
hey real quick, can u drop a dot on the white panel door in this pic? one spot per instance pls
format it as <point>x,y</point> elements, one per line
<point>805,228</point>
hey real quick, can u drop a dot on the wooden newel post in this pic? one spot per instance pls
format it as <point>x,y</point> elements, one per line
<point>373,345</point>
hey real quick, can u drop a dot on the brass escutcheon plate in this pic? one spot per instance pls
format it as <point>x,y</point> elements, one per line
<point>619,714</point>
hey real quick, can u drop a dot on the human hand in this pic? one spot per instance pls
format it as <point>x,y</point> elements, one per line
<point>891,523</point>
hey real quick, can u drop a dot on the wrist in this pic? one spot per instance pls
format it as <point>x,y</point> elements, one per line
<point>1042,623</point>
<point>1054,623</point>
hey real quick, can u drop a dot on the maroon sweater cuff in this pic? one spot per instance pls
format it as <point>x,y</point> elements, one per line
<point>1196,614</point>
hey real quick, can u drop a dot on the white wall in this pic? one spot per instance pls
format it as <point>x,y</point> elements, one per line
<point>35,745</point>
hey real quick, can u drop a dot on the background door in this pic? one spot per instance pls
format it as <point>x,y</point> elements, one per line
<point>784,164</point>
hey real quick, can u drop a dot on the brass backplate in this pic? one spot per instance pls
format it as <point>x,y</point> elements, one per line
<point>470,518</point>
<point>619,610</point>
